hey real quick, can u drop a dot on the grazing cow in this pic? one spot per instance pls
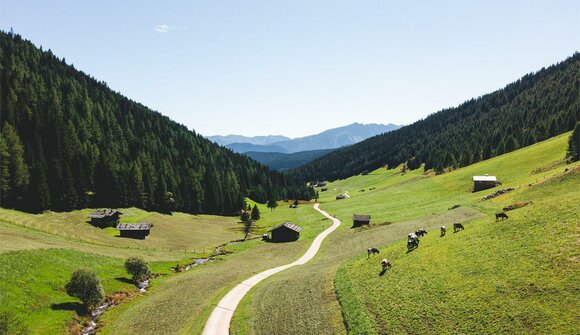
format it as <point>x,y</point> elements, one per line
<point>412,236</point>
<point>443,230</point>
<point>420,232</point>
<point>457,227</point>
<point>372,251</point>
<point>412,244</point>
<point>501,215</point>
<point>385,264</point>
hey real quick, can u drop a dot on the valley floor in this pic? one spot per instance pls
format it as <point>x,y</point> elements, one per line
<point>520,275</point>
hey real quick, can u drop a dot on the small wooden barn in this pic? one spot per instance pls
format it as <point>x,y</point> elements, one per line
<point>484,182</point>
<point>105,218</point>
<point>358,220</point>
<point>285,232</point>
<point>135,230</point>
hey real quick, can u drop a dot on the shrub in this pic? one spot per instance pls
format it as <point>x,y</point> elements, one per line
<point>85,285</point>
<point>137,267</point>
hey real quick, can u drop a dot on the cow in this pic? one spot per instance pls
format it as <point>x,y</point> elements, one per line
<point>420,232</point>
<point>372,251</point>
<point>412,244</point>
<point>385,264</point>
<point>443,230</point>
<point>501,215</point>
<point>457,227</point>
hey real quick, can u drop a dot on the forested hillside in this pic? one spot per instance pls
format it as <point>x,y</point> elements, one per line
<point>68,141</point>
<point>282,162</point>
<point>538,106</point>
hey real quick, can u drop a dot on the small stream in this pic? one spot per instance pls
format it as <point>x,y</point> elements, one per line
<point>90,329</point>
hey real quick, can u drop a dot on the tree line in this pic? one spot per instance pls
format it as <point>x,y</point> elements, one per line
<point>536,107</point>
<point>68,142</point>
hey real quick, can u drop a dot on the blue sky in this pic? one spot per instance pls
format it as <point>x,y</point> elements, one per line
<point>299,67</point>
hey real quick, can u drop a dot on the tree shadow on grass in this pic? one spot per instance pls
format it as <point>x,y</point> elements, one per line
<point>125,280</point>
<point>78,307</point>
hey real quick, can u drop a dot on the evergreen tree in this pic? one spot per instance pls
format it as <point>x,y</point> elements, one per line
<point>573,152</point>
<point>17,168</point>
<point>255,213</point>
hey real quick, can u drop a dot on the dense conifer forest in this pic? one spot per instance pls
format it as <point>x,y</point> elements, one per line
<point>536,107</point>
<point>68,141</point>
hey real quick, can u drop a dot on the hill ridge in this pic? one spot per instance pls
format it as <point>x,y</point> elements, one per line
<point>533,108</point>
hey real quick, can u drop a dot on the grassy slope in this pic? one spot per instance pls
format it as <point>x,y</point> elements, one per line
<point>412,200</point>
<point>518,276</point>
<point>38,253</point>
<point>182,303</point>
<point>170,232</point>
<point>32,285</point>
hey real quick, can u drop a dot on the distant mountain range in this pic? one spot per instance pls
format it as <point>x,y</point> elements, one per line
<point>329,139</point>
<point>283,162</point>
<point>259,140</point>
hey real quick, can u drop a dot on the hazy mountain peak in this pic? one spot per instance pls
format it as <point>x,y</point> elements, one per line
<point>328,139</point>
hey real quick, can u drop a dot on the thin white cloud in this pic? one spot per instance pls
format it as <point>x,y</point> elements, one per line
<point>163,28</point>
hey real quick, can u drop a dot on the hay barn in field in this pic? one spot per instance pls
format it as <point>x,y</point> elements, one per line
<point>358,220</point>
<point>285,232</point>
<point>105,218</point>
<point>135,230</point>
<point>484,182</point>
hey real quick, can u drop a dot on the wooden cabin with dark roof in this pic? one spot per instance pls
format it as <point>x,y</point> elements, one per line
<point>105,218</point>
<point>285,232</point>
<point>358,220</point>
<point>135,230</point>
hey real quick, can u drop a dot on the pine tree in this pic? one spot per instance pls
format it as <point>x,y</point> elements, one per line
<point>255,213</point>
<point>19,176</point>
<point>573,152</point>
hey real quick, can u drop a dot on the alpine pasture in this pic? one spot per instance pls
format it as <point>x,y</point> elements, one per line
<point>326,297</point>
<point>519,275</point>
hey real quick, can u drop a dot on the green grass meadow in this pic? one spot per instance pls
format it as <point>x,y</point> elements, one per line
<point>326,297</point>
<point>516,276</point>
<point>39,252</point>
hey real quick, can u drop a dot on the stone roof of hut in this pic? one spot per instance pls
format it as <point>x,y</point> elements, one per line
<point>288,225</point>
<point>134,226</point>
<point>360,217</point>
<point>101,213</point>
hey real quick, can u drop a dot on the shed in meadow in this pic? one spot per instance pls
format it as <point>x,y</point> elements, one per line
<point>358,220</point>
<point>484,182</point>
<point>285,232</point>
<point>105,217</point>
<point>135,230</point>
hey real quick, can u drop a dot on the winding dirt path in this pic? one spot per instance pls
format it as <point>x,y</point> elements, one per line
<point>220,318</point>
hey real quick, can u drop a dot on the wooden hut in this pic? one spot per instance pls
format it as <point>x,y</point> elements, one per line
<point>358,220</point>
<point>483,182</point>
<point>105,218</point>
<point>135,230</point>
<point>285,232</point>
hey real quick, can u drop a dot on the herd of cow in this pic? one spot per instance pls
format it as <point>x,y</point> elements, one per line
<point>413,239</point>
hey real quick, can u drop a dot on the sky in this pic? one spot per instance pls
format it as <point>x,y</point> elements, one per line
<point>296,68</point>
